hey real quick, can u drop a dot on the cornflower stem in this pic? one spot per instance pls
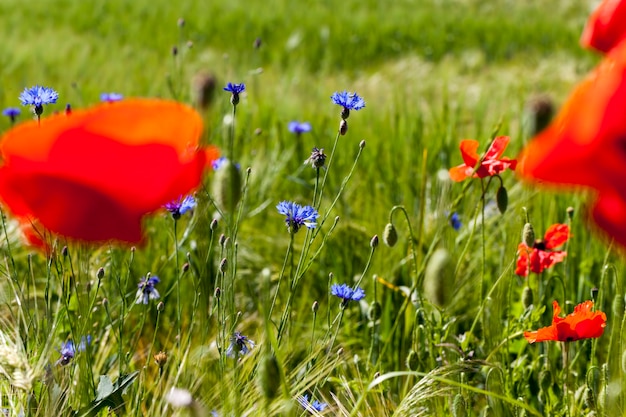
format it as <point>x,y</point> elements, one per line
<point>328,165</point>
<point>402,209</point>
<point>317,183</point>
<point>179,312</point>
<point>231,137</point>
<point>288,255</point>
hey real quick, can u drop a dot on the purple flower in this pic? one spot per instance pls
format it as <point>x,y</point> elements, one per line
<point>68,350</point>
<point>37,96</point>
<point>11,113</point>
<point>146,290</point>
<point>180,206</point>
<point>299,127</point>
<point>455,221</point>
<point>239,345</point>
<point>311,406</point>
<point>111,97</point>
<point>297,215</point>
<point>317,158</point>
<point>347,293</point>
<point>235,90</point>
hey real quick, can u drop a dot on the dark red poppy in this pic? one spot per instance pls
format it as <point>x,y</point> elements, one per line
<point>94,174</point>
<point>583,323</point>
<point>586,143</point>
<point>606,26</point>
<point>493,163</point>
<point>542,255</point>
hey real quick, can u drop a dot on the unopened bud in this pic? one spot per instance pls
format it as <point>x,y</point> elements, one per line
<point>528,235</point>
<point>412,360</point>
<point>390,235</point>
<point>269,376</point>
<point>374,311</point>
<point>439,277</point>
<point>502,198</point>
<point>594,293</point>
<point>160,359</point>
<point>459,406</point>
<point>214,224</point>
<point>100,273</point>
<point>185,267</point>
<point>227,186</point>
<point>570,212</point>
<point>222,239</point>
<point>315,306</point>
<point>374,242</point>
<point>64,251</point>
<point>527,297</point>
<point>618,305</point>
<point>160,306</point>
<point>362,144</point>
<point>217,293</point>
<point>343,127</point>
<point>224,265</point>
<point>203,87</point>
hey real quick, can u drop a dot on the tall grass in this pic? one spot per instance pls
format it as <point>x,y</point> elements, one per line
<point>432,73</point>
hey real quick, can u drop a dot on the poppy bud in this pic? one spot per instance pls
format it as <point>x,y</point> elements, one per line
<point>528,235</point>
<point>502,198</point>
<point>439,278</point>
<point>203,87</point>
<point>527,297</point>
<point>269,376</point>
<point>570,212</point>
<point>459,406</point>
<point>227,186</point>
<point>618,305</point>
<point>539,112</point>
<point>390,235</point>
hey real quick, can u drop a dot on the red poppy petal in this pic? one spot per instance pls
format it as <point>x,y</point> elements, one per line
<point>469,148</point>
<point>609,213</point>
<point>605,27</point>
<point>459,173</point>
<point>541,335</point>
<point>556,235</point>
<point>588,132</point>
<point>497,147</point>
<point>522,260</point>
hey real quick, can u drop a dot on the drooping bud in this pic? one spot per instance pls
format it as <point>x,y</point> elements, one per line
<point>527,297</point>
<point>390,235</point>
<point>412,360</point>
<point>618,305</point>
<point>502,198</point>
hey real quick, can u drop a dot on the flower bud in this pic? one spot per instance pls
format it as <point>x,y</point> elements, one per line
<point>160,306</point>
<point>160,359</point>
<point>390,235</point>
<point>203,87</point>
<point>594,293</point>
<point>100,273</point>
<point>412,360</point>
<point>217,293</point>
<point>214,224</point>
<point>570,212</point>
<point>343,127</point>
<point>439,278</point>
<point>64,251</point>
<point>374,242</point>
<point>362,144</point>
<point>618,305</point>
<point>538,113</point>
<point>185,267</point>
<point>224,266</point>
<point>227,186</point>
<point>528,235</point>
<point>315,306</point>
<point>502,198</point>
<point>527,297</point>
<point>269,376</point>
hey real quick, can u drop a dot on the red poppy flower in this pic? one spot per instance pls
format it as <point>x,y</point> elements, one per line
<point>583,323</point>
<point>606,26</point>
<point>542,256</point>
<point>94,174</point>
<point>492,163</point>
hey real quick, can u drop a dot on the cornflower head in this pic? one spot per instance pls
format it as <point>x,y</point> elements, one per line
<point>299,127</point>
<point>455,221</point>
<point>68,350</point>
<point>146,290</point>
<point>11,113</point>
<point>317,158</point>
<point>37,96</point>
<point>347,293</point>
<point>349,101</point>
<point>180,206</point>
<point>297,215</point>
<point>314,405</point>
<point>235,90</point>
<point>239,345</point>
<point>110,97</point>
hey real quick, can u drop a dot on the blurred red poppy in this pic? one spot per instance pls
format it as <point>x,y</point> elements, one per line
<point>542,256</point>
<point>583,323</point>
<point>586,143</point>
<point>492,163</point>
<point>94,174</point>
<point>606,26</point>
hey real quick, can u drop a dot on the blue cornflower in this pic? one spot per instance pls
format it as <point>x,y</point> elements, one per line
<point>146,290</point>
<point>69,349</point>
<point>299,127</point>
<point>235,89</point>
<point>239,345</point>
<point>111,97</point>
<point>349,101</point>
<point>311,406</point>
<point>297,215</point>
<point>455,221</point>
<point>11,113</point>
<point>37,96</point>
<point>347,293</point>
<point>220,162</point>
<point>180,206</point>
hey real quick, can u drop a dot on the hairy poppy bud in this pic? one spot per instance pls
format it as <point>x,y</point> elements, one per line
<point>439,278</point>
<point>502,198</point>
<point>527,297</point>
<point>390,235</point>
<point>528,235</point>
<point>227,186</point>
<point>459,406</point>
<point>539,112</point>
<point>269,376</point>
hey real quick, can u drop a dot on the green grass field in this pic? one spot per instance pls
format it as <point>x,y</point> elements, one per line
<point>432,73</point>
